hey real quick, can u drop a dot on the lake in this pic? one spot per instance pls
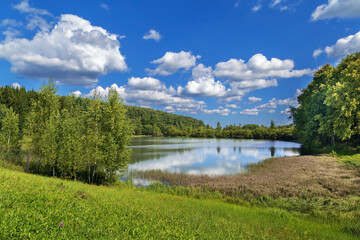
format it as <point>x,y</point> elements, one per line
<point>204,156</point>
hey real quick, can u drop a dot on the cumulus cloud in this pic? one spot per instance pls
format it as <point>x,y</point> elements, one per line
<point>75,93</point>
<point>171,62</point>
<point>344,46</point>
<point>337,9</point>
<point>231,106</point>
<point>317,52</point>
<point>223,112</point>
<point>203,84</point>
<point>16,85</point>
<point>258,67</point>
<point>250,112</point>
<point>74,53</point>
<point>271,111</point>
<point>152,92</point>
<point>146,83</point>
<point>152,34</point>
<point>254,99</point>
<point>103,92</point>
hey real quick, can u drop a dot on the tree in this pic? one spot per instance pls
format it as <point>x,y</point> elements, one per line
<point>117,131</point>
<point>43,120</point>
<point>218,126</point>
<point>9,134</point>
<point>272,124</point>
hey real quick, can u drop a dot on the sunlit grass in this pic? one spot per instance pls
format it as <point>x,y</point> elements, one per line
<point>35,207</point>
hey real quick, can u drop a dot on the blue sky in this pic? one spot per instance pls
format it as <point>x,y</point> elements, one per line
<point>233,61</point>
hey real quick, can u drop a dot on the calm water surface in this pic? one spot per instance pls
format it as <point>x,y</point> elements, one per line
<point>205,156</point>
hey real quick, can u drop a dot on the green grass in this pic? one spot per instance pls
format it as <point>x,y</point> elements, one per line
<point>350,159</point>
<point>32,207</point>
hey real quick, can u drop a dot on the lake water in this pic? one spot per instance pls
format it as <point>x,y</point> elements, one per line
<point>204,156</point>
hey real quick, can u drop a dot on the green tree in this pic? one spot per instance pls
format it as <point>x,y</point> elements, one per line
<point>117,130</point>
<point>272,124</point>
<point>9,134</point>
<point>43,120</point>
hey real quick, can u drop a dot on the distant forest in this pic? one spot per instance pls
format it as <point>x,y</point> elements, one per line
<point>147,121</point>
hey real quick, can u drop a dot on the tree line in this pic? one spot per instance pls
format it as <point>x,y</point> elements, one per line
<point>329,112</point>
<point>146,121</point>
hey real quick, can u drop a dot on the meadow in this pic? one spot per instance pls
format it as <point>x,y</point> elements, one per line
<point>37,207</point>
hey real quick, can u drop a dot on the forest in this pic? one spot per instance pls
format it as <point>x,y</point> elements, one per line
<point>328,116</point>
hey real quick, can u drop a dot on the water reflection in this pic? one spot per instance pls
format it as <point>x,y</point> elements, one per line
<point>204,156</point>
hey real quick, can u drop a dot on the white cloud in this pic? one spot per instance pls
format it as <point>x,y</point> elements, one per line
<point>10,34</point>
<point>223,112</point>
<point>344,46</point>
<point>256,8</point>
<point>172,62</point>
<point>75,93</point>
<point>274,3</point>
<point>146,83</point>
<point>337,9</point>
<point>16,85</point>
<point>254,99</point>
<point>286,111</point>
<point>271,111</point>
<point>251,112</point>
<point>74,53</point>
<point>288,102</point>
<point>231,106</point>
<point>203,84</point>
<point>152,92</point>
<point>317,52</point>
<point>103,92</point>
<point>38,22</point>
<point>104,6</point>
<point>24,7</point>
<point>258,67</point>
<point>271,104</point>
<point>10,22</point>
<point>152,34</point>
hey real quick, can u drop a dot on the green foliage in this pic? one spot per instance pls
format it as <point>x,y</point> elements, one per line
<point>329,110</point>
<point>9,128</point>
<point>73,140</point>
<point>34,207</point>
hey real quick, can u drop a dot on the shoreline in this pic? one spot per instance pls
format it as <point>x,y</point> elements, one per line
<point>301,176</point>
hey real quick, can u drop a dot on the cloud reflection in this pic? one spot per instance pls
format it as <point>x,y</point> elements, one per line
<point>209,156</point>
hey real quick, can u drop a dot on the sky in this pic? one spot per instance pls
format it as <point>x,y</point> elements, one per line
<point>232,61</point>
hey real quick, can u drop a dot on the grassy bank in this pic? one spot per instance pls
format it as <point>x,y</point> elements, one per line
<point>34,207</point>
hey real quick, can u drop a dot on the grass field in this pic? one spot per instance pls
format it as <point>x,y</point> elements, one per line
<point>35,207</point>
